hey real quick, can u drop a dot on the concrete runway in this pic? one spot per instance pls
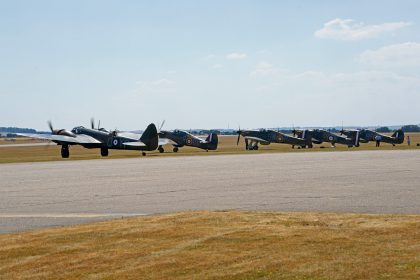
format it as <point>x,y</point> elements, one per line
<point>34,195</point>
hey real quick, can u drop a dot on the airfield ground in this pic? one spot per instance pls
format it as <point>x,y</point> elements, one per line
<point>227,145</point>
<point>249,239</point>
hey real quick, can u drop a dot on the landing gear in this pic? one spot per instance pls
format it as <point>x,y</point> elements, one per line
<point>255,148</point>
<point>161,150</point>
<point>104,152</point>
<point>175,149</point>
<point>143,153</point>
<point>65,153</point>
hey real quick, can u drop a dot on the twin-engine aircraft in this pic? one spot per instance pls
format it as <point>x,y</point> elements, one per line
<point>180,138</point>
<point>268,136</point>
<point>100,138</point>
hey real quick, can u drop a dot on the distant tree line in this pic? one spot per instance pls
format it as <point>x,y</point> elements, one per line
<point>383,129</point>
<point>410,128</point>
<point>17,130</point>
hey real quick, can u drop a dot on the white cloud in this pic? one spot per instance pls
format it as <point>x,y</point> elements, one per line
<point>398,55</point>
<point>348,30</point>
<point>236,56</point>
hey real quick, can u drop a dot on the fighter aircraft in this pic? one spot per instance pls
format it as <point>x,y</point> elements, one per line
<point>100,138</point>
<point>321,135</point>
<point>267,136</point>
<point>396,138</point>
<point>180,138</point>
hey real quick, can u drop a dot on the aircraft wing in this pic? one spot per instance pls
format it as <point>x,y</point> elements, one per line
<point>256,139</point>
<point>134,144</point>
<point>130,135</point>
<point>79,139</point>
<point>164,141</point>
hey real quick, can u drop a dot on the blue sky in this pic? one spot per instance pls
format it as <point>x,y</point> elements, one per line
<point>209,64</point>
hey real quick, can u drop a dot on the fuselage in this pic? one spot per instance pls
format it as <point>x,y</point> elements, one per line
<point>182,138</point>
<point>108,139</point>
<point>271,136</point>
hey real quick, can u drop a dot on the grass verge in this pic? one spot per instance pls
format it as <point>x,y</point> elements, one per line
<point>215,245</point>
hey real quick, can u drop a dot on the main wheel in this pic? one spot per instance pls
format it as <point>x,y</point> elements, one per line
<point>65,153</point>
<point>104,152</point>
<point>161,150</point>
<point>175,149</point>
<point>256,147</point>
<point>143,153</point>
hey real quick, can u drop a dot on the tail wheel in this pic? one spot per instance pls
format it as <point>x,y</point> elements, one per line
<point>143,153</point>
<point>175,149</point>
<point>104,152</point>
<point>161,150</point>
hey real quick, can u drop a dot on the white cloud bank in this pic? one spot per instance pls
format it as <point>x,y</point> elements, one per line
<point>236,56</point>
<point>348,30</point>
<point>398,55</point>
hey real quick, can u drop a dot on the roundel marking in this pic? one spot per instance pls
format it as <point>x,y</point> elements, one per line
<point>115,142</point>
<point>330,138</point>
<point>280,139</point>
<point>189,141</point>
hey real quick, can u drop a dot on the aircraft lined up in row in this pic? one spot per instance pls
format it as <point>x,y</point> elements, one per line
<point>152,139</point>
<point>306,138</point>
<point>100,138</point>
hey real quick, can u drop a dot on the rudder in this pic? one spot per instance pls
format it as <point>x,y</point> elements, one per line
<point>399,136</point>
<point>212,141</point>
<point>150,137</point>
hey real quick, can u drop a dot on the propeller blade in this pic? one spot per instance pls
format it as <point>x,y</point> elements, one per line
<point>239,134</point>
<point>99,124</point>
<point>92,123</point>
<point>161,125</point>
<point>50,126</point>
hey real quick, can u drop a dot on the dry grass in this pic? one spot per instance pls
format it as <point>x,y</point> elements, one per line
<point>227,145</point>
<point>215,245</point>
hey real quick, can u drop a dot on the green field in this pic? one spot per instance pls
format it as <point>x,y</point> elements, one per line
<point>227,145</point>
<point>220,245</point>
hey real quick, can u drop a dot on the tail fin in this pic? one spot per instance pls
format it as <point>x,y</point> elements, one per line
<point>150,137</point>
<point>399,136</point>
<point>212,141</point>
<point>307,135</point>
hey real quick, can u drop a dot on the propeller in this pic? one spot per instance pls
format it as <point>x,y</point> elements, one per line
<point>161,125</point>
<point>59,131</point>
<point>92,123</point>
<point>50,126</point>
<point>239,135</point>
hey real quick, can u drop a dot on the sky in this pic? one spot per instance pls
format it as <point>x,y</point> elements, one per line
<point>209,64</point>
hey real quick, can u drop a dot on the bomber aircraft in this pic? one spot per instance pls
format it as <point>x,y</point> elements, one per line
<point>267,136</point>
<point>100,138</point>
<point>180,138</point>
